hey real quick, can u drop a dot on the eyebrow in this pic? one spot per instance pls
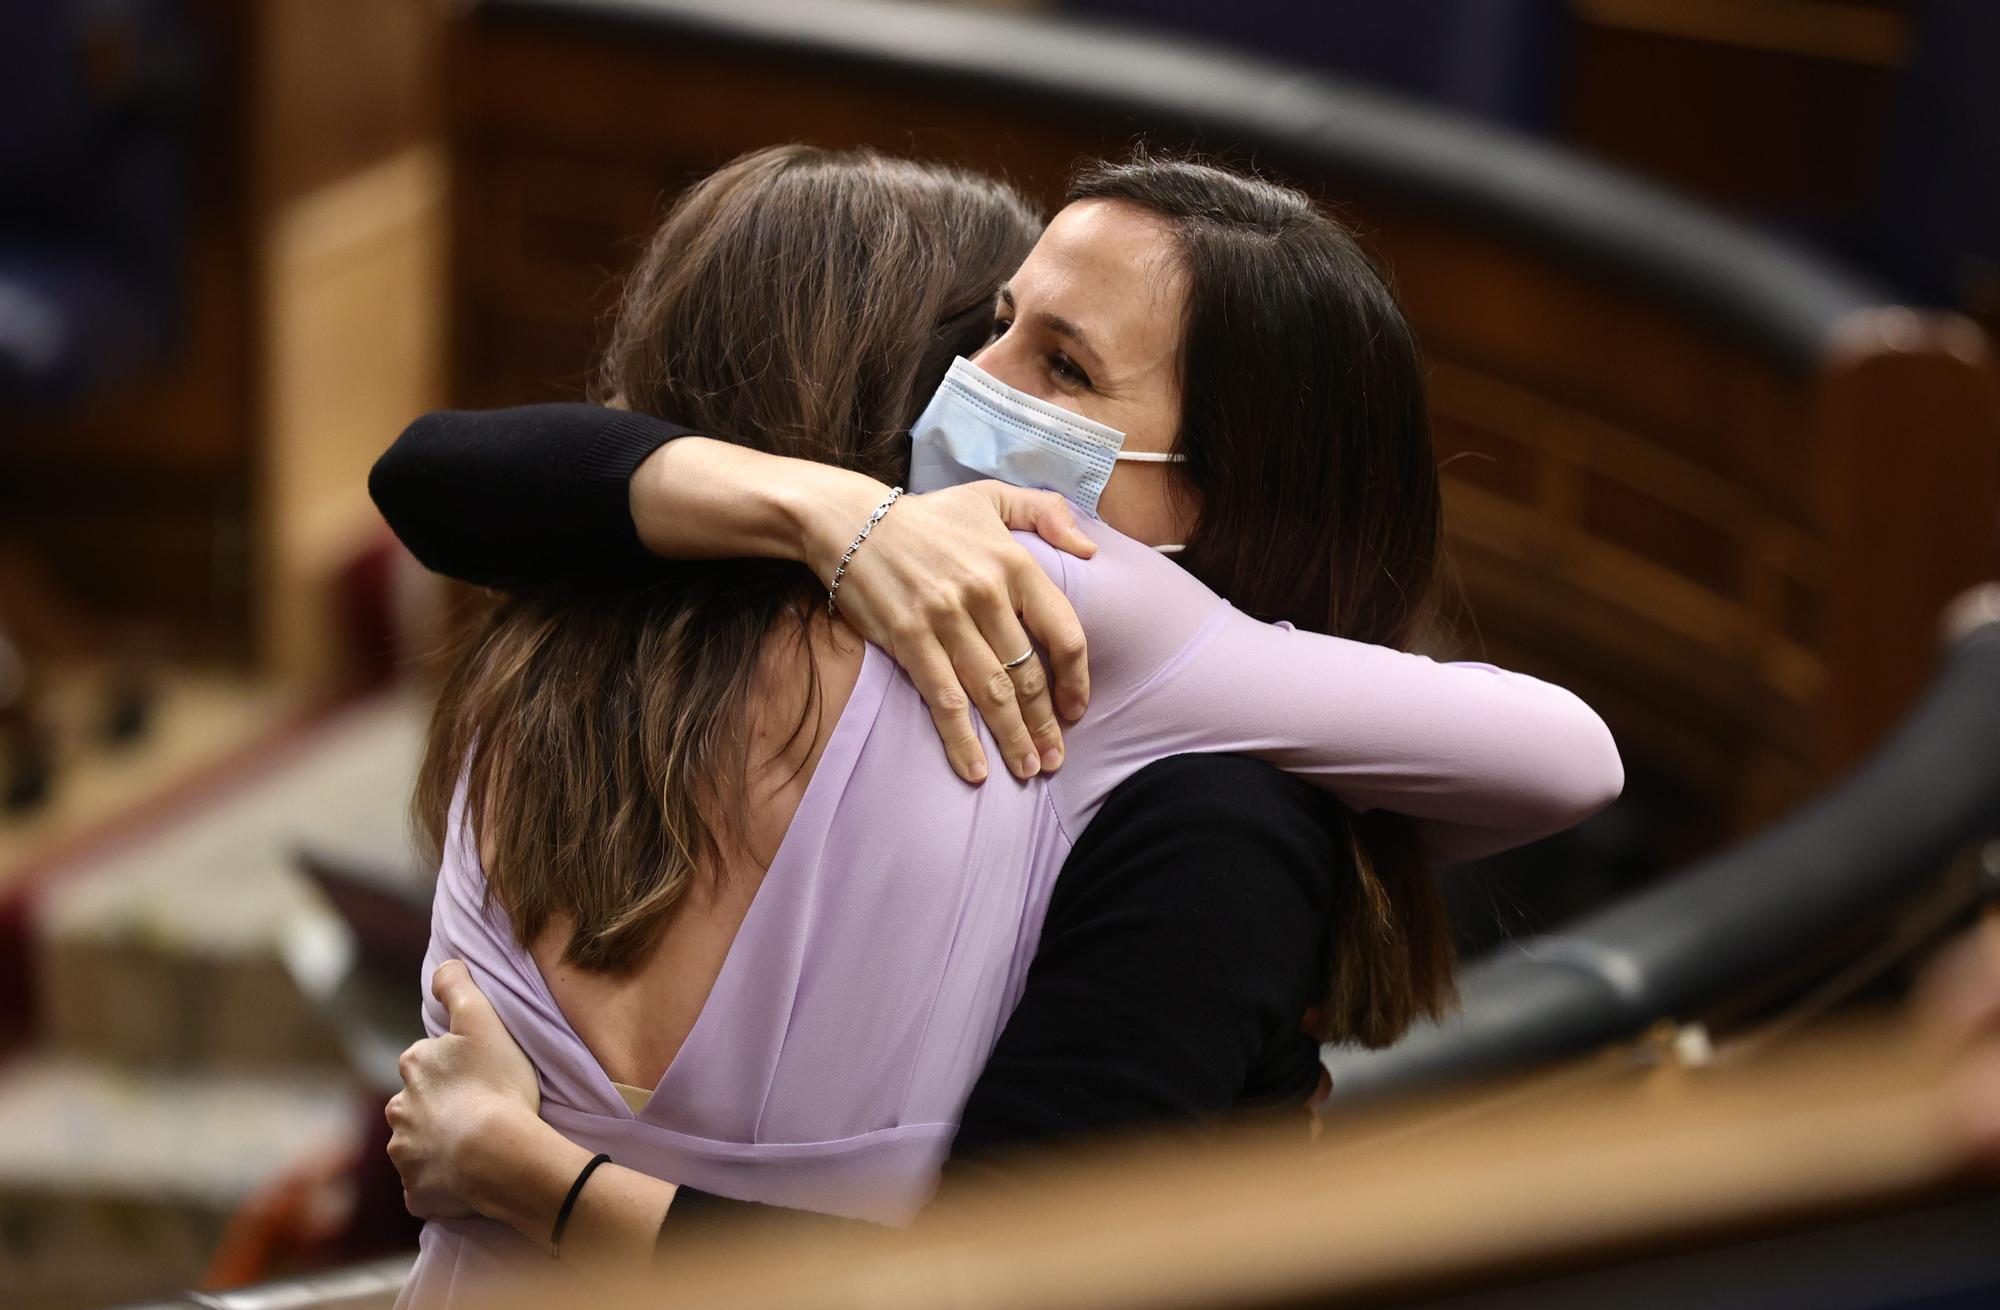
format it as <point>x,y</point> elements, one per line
<point>1059,325</point>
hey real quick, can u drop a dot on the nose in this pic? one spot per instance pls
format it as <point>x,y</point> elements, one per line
<point>1005,362</point>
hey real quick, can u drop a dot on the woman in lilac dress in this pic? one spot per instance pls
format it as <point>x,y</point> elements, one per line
<point>755,930</point>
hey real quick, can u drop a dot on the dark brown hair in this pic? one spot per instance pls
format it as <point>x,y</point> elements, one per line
<point>798,301</point>
<point>1308,448</point>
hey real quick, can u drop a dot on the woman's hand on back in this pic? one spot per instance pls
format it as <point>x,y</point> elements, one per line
<point>467,1140</point>
<point>942,585</point>
<point>464,1095</point>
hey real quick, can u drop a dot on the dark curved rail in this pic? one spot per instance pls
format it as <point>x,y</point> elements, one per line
<point>1364,143</point>
<point>1931,789</point>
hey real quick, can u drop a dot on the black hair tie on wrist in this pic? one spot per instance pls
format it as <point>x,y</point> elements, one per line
<point>569,1202</point>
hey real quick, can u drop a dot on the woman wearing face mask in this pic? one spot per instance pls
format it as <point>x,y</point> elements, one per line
<point>1162,280</point>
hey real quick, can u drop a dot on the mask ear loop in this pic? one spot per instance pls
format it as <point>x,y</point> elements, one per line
<point>1156,457</point>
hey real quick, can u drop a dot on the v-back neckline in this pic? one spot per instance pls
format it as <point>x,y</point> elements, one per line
<point>837,758</point>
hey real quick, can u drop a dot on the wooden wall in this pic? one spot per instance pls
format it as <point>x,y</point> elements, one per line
<point>1771,107</point>
<point>213,495</point>
<point>140,499</point>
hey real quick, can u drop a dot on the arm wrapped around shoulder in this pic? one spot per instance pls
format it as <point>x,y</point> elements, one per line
<point>1482,758</point>
<point>1569,770</point>
<point>519,497</point>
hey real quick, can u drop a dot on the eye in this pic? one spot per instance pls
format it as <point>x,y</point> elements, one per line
<point>1000,326</point>
<point>1065,371</point>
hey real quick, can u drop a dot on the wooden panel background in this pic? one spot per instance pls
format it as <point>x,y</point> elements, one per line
<point>171,501</point>
<point>1766,106</point>
<point>1640,507</point>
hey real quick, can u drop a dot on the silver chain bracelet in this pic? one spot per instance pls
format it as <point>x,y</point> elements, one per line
<point>833,587</point>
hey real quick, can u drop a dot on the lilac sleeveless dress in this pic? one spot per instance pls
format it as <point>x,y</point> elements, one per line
<point>891,936</point>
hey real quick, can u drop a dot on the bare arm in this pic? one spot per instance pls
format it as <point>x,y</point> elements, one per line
<point>1482,758</point>
<point>467,1140</point>
<point>524,1170</point>
<point>553,494</point>
<point>1183,940</point>
<point>939,584</point>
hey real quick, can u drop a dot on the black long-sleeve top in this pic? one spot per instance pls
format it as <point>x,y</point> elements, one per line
<point>1186,933</point>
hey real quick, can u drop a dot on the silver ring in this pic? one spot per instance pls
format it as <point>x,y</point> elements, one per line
<point>1020,659</point>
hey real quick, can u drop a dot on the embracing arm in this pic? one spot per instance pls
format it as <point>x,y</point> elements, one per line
<point>467,1138</point>
<point>517,497</point>
<point>548,494</point>
<point>1183,942</point>
<point>616,1215</point>
<point>577,493</point>
<point>1482,758</point>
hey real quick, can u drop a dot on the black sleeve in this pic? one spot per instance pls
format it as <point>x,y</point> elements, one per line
<point>517,497</point>
<point>1184,940</point>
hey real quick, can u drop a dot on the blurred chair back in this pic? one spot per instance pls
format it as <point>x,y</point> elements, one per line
<point>1717,487</point>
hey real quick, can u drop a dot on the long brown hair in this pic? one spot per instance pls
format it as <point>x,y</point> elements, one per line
<point>798,301</point>
<point>1308,448</point>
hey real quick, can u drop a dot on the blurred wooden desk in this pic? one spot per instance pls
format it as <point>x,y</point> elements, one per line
<point>1603,1162</point>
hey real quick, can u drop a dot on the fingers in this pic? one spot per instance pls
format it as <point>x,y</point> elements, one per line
<point>951,712</point>
<point>1052,619</point>
<point>446,978</point>
<point>1048,613</point>
<point>1028,682</point>
<point>954,597</point>
<point>1048,516</point>
<point>471,1014</point>
<point>993,688</point>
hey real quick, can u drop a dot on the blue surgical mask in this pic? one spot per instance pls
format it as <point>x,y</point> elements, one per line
<point>977,426</point>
